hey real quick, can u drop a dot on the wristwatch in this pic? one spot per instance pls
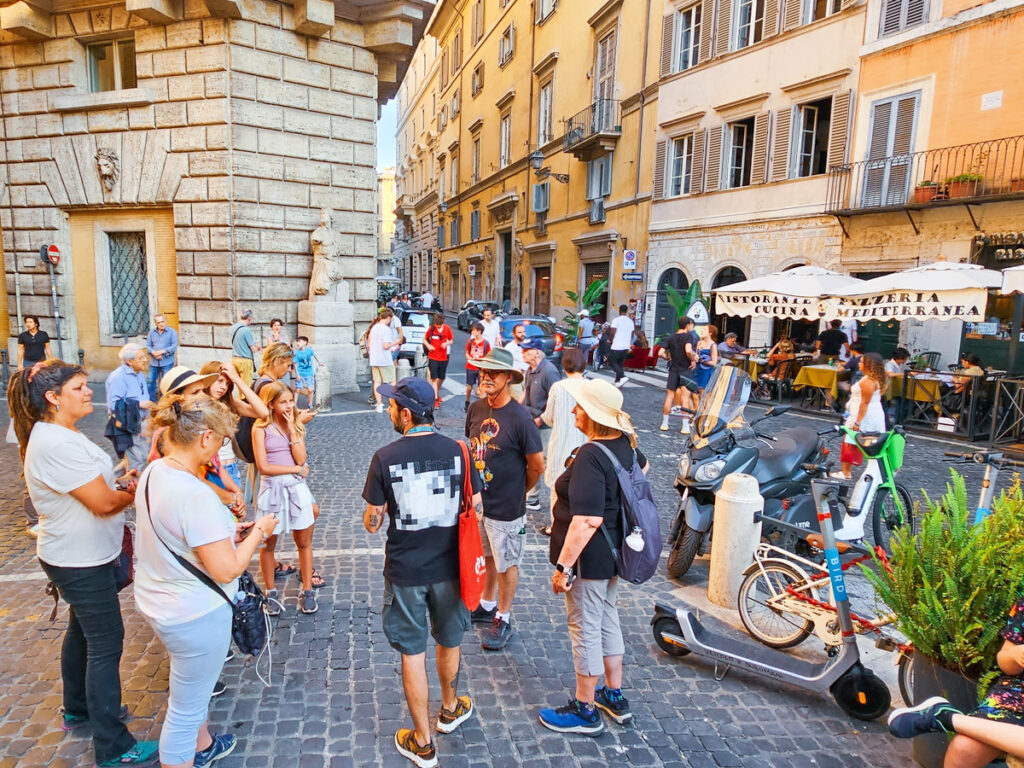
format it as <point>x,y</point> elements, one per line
<point>567,570</point>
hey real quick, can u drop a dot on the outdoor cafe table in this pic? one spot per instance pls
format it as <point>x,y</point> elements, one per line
<point>825,378</point>
<point>924,387</point>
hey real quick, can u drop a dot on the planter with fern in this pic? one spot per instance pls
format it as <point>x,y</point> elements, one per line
<point>952,584</point>
<point>963,185</point>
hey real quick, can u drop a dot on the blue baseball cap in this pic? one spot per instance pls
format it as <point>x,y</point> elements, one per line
<point>413,393</point>
<point>532,343</point>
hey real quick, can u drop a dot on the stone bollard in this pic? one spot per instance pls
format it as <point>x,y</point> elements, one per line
<point>322,389</point>
<point>420,364</point>
<point>402,369</point>
<point>736,535</point>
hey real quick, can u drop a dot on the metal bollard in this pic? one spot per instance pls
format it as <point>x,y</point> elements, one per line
<point>322,389</point>
<point>736,536</point>
<point>81,357</point>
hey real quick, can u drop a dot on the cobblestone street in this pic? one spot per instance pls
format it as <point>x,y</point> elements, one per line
<point>336,698</point>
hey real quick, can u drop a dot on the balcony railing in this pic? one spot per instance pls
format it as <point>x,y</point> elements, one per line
<point>970,172</point>
<point>599,120</point>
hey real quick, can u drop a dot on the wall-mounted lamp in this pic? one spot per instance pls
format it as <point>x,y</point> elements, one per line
<point>443,206</point>
<point>537,161</point>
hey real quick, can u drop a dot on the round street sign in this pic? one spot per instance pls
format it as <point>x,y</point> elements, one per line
<point>53,254</point>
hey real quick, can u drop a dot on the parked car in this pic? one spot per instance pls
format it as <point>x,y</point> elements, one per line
<point>539,326</point>
<point>473,311</point>
<point>415,323</point>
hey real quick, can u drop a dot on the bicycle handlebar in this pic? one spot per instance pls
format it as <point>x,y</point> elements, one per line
<point>995,458</point>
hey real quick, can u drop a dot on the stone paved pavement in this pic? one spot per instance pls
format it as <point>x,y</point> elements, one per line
<point>336,696</point>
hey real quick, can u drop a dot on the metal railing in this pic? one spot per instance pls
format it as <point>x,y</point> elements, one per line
<point>600,117</point>
<point>947,404</point>
<point>987,169</point>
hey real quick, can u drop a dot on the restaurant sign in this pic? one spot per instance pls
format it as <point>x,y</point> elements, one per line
<point>966,304</point>
<point>997,248</point>
<point>768,304</point>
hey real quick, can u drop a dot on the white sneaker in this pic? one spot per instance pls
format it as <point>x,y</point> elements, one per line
<point>379,407</point>
<point>33,530</point>
<point>621,382</point>
<point>838,476</point>
<point>663,427</point>
<point>685,429</point>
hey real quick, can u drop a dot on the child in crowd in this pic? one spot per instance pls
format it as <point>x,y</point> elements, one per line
<point>279,447</point>
<point>305,370</point>
<point>476,348</point>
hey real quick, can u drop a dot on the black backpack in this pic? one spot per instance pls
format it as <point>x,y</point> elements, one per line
<point>242,442</point>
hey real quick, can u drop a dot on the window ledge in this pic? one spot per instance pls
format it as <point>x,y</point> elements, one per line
<point>82,102</point>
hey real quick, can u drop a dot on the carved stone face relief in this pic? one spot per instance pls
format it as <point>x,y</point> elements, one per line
<point>108,166</point>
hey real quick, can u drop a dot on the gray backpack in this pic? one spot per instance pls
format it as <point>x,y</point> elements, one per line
<point>639,516</point>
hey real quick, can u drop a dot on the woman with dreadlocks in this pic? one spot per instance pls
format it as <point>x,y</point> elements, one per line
<point>81,525</point>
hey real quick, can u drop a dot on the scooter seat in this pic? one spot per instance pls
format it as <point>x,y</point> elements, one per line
<point>781,457</point>
<point>817,541</point>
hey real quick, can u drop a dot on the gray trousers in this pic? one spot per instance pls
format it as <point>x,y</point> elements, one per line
<point>594,628</point>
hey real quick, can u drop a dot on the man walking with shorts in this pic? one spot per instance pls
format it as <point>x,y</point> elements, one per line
<point>382,364</point>
<point>621,342</point>
<point>681,352</point>
<point>416,483</point>
<point>508,455</point>
<point>438,341</point>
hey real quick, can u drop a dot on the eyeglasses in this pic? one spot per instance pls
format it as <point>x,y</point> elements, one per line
<point>492,375</point>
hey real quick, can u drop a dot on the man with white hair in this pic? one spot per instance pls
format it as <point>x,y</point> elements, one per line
<point>162,345</point>
<point>586,331</point>
<point>127,402</point>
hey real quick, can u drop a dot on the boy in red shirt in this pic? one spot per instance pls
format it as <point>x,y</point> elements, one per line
<point>438,342</point>
<point>476,349</point>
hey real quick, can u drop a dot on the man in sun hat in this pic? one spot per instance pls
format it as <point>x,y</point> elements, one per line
<point>416,483</point>
<point>185,381</point>
<point>508,455</point>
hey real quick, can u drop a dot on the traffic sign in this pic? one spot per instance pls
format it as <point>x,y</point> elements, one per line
<point>53,255</point>
<point>629,260</point>
<point>633,277</point>
<point>472,270</point>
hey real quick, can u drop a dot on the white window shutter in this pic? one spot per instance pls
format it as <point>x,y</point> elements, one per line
<point>839,128</point>
<point>668,36</point>
<point>783,137</point>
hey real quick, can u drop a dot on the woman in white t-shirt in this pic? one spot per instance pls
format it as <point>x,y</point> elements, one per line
<point>179,514</point>
<point>81,526</point>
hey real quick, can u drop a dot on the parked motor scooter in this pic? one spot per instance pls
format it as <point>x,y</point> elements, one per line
<point>722,442</point>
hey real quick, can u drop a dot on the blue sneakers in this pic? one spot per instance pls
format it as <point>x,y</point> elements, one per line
<point>143,753</point>
<point>613,703</point>
<point>931,716</point>
<point>574,717</point>
<point>222,746</point>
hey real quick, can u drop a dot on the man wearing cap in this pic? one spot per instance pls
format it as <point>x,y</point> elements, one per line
<point>508,455</point>
<point>417,483</point>
<point>585,334</point>
<point>244,346</point>
<point>128,402</point>
<point>162,345</point>
<point>541,375</point>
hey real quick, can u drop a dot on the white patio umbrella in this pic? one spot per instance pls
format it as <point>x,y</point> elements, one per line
<point>943,290</point>
<point>796,293</point>
<point>1013,280</point>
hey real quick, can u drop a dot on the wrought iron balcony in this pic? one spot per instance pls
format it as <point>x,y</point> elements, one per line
<point>987,170</point>
<point>594,131</point>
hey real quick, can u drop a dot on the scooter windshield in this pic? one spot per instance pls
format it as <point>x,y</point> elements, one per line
<point>723,400</point>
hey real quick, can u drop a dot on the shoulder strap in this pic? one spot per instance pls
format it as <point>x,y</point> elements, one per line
<point>235,335</point>
<point>617,466</point>
<point>467,480</point>
<point>181,560</point>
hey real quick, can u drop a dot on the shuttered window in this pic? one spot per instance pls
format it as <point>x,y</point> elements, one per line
<point>478,78</point>
<point>507,45</point>
<point>839,130</point>
<point>707,21</point>
<point>541,197</point>
<point>890,141</point>
<point>687,31</point>
<point>543,9</point>
<point>713,180</point>
<point>771,17</point>
<point>697,165</point>
<point>724,30</point>
<point>545,113</point>
<point>456,53</point>
<point>780,147</point>
<point>813,123</point>
<point>455,230</point>
<point>605,67</point>
<point>444,68</point>
<point>791,13</point>
<point>739,153</point>
<point>759,152</point>
<point>658,186</point>
<point>440,235</point>
<point>477,27</point>
<point>476,159</point>
<point>749,22</point>
<point>505,140</point>
<point>474,225</point>
<point>898,15</point>
<point>668,37</point>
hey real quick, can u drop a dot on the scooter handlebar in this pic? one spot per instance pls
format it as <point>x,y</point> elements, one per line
<point>984,457</point>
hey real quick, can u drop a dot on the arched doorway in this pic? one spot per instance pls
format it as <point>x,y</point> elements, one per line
<point>730,323</point>
<point>664,314</point>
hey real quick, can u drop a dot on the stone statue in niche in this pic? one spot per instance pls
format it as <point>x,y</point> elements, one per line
<point>326,256</point>
<point>109,167</point>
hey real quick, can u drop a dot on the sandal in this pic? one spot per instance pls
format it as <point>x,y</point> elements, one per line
<point>280,570</point>
<point>317,580</point>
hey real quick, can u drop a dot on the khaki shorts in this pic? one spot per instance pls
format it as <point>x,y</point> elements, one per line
<point>382,374</point>
<point>245,369</point>
<point>594,629</point>
<point>503,540</point>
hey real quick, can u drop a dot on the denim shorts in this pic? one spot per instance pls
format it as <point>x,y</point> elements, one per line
<point>405,616</point>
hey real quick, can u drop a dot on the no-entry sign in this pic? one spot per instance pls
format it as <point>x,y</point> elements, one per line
<point>49,254</point>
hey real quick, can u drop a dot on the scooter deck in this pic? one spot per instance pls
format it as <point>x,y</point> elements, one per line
<point>738,653</point>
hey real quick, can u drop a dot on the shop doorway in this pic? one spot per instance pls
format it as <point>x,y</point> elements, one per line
<point>730,323</point>
<point>506,266</point>
<point>597,270</point>
<point>542,290</point>
<point>664,314</point>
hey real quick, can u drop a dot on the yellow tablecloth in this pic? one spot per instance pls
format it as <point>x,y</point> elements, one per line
<point>923,390</point>
<point>823,377</point>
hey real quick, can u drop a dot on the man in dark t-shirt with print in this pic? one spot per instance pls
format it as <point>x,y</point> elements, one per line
<point>417,482</point>
<point>832,341</point>
<point>681,351</point>
<point>508,455</point>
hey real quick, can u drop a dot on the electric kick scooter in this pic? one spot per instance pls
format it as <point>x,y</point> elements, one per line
<point>993,462</point>
<point>857,690</point>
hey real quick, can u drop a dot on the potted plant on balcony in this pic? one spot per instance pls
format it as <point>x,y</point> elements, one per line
<point>1017,185</point>
<point>963,185</point>
<point>952,584</point>
<point>925,191</point>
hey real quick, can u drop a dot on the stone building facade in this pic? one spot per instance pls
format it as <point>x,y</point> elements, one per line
<point>179,153</point>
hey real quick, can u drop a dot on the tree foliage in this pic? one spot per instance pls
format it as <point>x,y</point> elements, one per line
<point>588,300</point>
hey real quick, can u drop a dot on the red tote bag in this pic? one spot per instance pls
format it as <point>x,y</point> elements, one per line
<point>471,548</point>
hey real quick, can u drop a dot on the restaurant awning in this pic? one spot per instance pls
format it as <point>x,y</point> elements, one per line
<point>795,294</point>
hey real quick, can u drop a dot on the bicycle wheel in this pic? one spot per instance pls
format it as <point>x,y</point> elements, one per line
<point>771,626</point>
<point>905,678</point>
<point>886,518</point>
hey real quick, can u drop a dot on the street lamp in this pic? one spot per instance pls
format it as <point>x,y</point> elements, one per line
<point>537,161</point>
<point>444,206</point>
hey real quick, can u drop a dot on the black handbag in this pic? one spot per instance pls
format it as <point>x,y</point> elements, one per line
<point>250,624</point>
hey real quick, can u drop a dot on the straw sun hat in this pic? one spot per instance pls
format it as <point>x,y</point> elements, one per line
<point>180,376</point>
<point>601,401</point>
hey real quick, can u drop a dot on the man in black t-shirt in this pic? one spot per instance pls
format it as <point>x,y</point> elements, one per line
<point>681,351</point>
<point>418,482</point>
<point>832,341</point>
<point>33,344</point>
<point>508,455</point>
